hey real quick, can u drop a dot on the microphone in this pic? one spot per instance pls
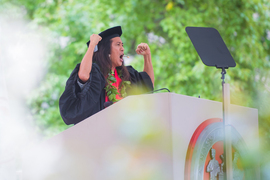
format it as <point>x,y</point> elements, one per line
<point>158,90</point>
<point>107,104</point>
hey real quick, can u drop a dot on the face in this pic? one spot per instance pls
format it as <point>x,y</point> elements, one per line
<point>117,52</point>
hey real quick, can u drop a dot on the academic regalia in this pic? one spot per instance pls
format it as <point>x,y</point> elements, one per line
<point>77,104</point>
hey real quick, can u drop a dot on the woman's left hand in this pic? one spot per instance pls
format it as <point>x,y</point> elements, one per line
<point>143,49</point>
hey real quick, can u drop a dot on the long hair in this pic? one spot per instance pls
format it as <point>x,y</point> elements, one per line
<point>102,59</point>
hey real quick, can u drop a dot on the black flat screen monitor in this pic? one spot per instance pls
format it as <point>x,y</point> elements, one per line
<point>210,47</point>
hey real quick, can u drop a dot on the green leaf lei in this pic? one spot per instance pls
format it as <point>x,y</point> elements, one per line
<point>112,90</point>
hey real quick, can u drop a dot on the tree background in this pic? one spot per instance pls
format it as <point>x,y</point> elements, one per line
<point>68,24</point>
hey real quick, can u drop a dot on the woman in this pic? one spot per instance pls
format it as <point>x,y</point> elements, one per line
<point>101,78</point>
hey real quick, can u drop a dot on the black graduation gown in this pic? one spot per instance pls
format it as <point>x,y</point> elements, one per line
<point>76,104</point>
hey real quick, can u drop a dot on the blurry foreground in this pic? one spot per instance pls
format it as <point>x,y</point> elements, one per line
<point>22,66</point>
<point>25,57</point>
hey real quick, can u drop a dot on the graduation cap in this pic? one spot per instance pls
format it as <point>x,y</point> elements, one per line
<point>108,33</point>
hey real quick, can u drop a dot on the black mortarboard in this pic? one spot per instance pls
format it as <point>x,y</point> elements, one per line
<point>109,33</point>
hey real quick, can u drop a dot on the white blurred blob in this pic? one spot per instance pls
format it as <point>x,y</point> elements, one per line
<point>255,16</point>
<point>22,55</point>
<point>47,155</point>
<point>268,34</point>
<point>64,41</point>
<point>128,60</point>
<point>152,38</point>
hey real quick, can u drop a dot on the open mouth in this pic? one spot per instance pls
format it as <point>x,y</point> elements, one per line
<point>121,57</point>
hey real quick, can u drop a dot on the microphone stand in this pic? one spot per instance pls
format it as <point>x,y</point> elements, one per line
<point>227,145</point>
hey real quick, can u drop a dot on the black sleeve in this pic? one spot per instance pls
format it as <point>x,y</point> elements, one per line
<point>141,80</point>
<point>76,104</point>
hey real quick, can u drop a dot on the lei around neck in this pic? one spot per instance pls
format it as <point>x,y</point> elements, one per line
<point>112,90</point>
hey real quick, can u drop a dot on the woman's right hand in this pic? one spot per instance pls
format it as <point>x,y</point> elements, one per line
<point>86,64</point>
<point>94,39</point>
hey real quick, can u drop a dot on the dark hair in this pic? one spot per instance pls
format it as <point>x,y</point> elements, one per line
<point>102,59</point>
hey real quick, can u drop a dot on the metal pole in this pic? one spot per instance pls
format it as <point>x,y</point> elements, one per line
<point>226,129</point>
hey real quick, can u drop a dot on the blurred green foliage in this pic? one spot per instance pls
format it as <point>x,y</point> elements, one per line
<point>243,25</point>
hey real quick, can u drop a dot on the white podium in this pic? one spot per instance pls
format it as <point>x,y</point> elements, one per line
<point>139,137</point>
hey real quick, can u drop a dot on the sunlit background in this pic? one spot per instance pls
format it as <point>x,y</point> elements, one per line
<point>42,41</point>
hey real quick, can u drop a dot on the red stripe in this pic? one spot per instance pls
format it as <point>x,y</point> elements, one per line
<point>193,141</point>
